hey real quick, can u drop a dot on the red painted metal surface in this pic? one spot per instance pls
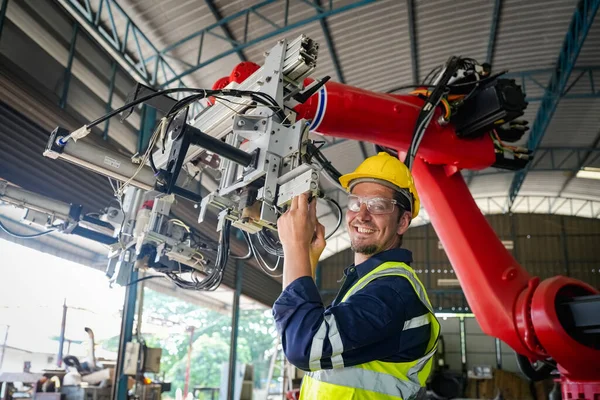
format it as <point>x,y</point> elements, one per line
<point>576,361</point>
<point>507,302</point>
<point>242,71</point>
<point>389,120</point>
<point>491,278</point>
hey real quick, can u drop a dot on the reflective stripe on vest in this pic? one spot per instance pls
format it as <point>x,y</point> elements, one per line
<point>369,380</point>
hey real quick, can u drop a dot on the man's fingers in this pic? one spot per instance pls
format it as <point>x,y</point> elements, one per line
<point>294,204</point>
<point>320,230</point>
<point>302,204</point>
<point>312,210</point>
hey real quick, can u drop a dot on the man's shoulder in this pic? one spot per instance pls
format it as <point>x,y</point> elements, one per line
<point>397,289</point>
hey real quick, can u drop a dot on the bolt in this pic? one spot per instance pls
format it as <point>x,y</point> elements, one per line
<point>255,127</point>
<point>269,193</point>
<point>264,122</point>
<point>272,132</point>
<point>268,79</point>
<point>266,161</point>
<point>241,122</point>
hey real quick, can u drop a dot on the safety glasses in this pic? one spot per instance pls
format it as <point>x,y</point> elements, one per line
<point>375,205</point>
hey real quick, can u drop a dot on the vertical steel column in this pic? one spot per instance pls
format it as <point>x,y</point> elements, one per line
<point>498,354</point>
<point>111,90</point>
<point>4,346</point>
<point>3,7</point>
<point>513,234</point>
<point>132,202</point>
<point>235,319</point>
<point>563,239</point>
<point>61,339</point>
<point>120,388</point>
<point>463,344</point>
<point>67,78</point>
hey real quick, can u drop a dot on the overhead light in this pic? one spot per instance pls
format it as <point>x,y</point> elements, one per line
<point>448,282</point>
<point>589,173</point>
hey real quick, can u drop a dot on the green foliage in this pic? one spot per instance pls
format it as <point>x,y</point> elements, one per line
<point>211,338</point>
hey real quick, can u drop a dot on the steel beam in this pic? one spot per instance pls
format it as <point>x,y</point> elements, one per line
<point>494,31</point>
<point>217,14</point>
<point>111,91</point>
<point>578,29</point>
<point>277,31</point>
<point>412,34</point>
<point>330,46</point>
<point>128,51</point>
<point>67,75</point>
<point>3,7</point>
<point>588,157</point>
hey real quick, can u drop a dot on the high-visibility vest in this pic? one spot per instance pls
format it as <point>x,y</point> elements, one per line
<point>376,380</point>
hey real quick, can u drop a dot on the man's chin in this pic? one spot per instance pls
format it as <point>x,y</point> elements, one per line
<point>366,249</point>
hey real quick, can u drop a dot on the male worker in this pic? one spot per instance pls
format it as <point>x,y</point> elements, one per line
<point>377,339</point>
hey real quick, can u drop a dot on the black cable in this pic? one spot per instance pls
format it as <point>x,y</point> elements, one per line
<point>201,93</point>
<point>249,254</point>
<point>19,236</point>
<point>144,279</point>
<point>340,215</point>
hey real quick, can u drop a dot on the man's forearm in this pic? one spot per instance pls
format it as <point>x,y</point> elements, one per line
<point>296,264</point>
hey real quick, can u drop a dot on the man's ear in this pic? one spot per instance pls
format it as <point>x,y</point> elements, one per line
<point>404,223</point>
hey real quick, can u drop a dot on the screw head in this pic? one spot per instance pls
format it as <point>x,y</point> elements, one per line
<point>241,122</point>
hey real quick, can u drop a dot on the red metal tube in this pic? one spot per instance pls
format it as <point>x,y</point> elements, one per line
<point>490,277</point>
<point>347,112</point>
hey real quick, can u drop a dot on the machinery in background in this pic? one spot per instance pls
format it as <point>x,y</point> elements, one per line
<point>257,123</point>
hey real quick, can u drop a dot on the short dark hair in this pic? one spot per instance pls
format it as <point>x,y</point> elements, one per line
<point>403,203</point>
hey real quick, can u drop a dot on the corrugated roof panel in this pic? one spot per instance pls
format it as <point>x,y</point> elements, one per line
<point>346,155</point>
<point>374,58</point>
<point>547,183</point>
<point>576,122</point>
<point>557,159</point>
<point>590,52</point>
<point>445,28</point>
<point>583,188</point>
<point>484,186</point>
<point>530,33</point>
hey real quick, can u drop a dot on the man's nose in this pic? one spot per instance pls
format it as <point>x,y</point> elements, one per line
<point>363,214</point>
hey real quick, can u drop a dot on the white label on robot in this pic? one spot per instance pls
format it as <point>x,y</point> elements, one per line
<point>112,162</point>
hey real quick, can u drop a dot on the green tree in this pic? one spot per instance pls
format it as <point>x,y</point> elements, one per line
<point>210,348</point>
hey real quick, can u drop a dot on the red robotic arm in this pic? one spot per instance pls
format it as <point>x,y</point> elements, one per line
<point>507,302</point>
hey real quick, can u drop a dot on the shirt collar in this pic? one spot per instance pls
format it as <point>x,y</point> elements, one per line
<point>399,255</point>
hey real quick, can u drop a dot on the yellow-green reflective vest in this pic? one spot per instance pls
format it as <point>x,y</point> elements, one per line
<point>377,379</point>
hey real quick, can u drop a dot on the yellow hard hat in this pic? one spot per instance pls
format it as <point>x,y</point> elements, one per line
<point>386,168</point>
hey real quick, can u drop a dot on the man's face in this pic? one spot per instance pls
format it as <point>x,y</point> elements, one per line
<point>373,233</point>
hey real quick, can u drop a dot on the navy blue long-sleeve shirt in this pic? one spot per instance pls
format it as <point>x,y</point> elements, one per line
<point>368,326</point>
